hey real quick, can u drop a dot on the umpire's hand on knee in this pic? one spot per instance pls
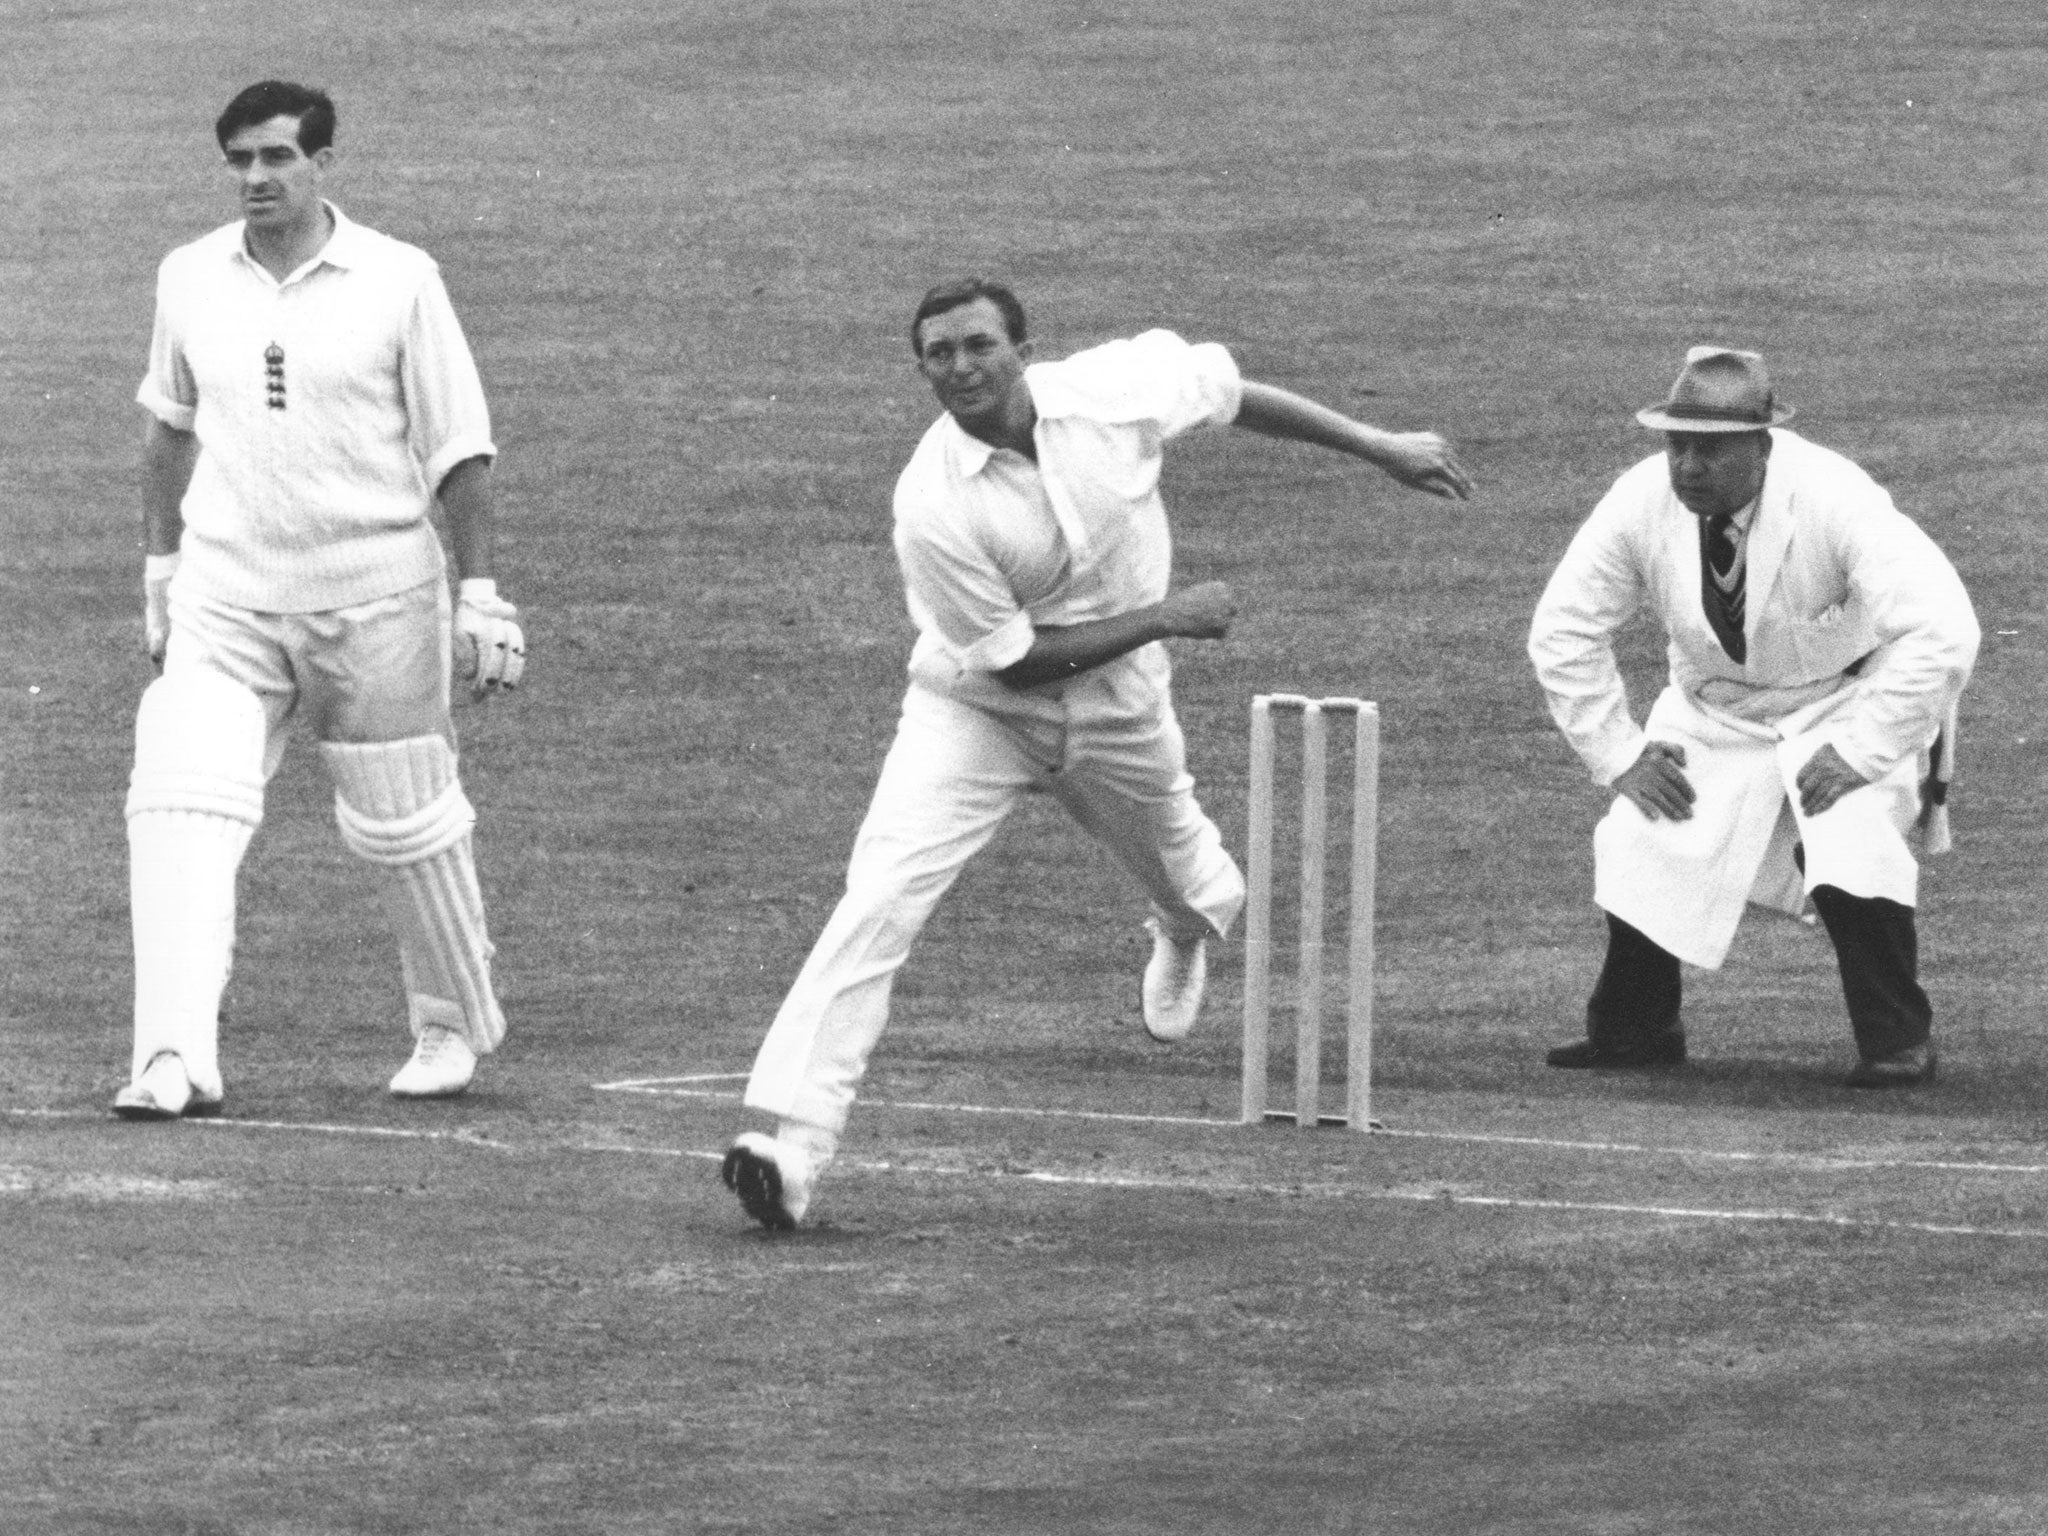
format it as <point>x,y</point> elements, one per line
<point>1825,779</point>
<point>1656,785</point>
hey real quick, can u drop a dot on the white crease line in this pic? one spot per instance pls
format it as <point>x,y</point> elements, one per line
<point>1452,1197</point>
<point>1050,1114</point>
<point>650,1087</point>
<point>1823,1218</point>
<point>226,1122</point>
<point>655,1087</point>
<point>1816,1160</point>
<point>1138,1182</point>
<point>1405,1196</point>
<point>649,1084</point>
<point>461,1137</point>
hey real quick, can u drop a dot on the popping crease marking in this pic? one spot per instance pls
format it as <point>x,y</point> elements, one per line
<point>654,1088</point>
<point>1446,1197</point>
<point>1817,1160</point>
<point>1820,1161</point>
<point>1453,1198</point>
<point>654,1084</point>
<point>460,1136</point>
<point>1826,1162</point>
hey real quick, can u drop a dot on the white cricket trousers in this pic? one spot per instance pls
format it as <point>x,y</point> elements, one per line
<point>952,775</point>
<point>371,680</point>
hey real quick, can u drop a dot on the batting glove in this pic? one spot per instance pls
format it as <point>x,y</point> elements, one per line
<point>157,571</point>
<point>490,649</point>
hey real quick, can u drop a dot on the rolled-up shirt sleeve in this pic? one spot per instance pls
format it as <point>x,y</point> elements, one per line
<point>1191,384</point>
<point>450,420</point>
<point>168,392</point>
<point>1155,377</point>
<point>953,591</point>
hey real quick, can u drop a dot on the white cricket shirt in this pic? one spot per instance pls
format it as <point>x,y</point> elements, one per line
<point>992,545</point>
<point>328,407</point>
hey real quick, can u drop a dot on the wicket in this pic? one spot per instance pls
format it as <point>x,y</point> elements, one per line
<point>1258,929</point>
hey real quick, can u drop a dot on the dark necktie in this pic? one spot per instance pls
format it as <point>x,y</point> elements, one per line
<point>1721,583</point>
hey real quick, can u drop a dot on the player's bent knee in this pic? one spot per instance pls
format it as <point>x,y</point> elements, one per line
<point>398,802</point>
<point>199,740</point>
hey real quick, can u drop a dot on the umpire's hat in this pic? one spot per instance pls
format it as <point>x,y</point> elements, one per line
<point>1718,390</point>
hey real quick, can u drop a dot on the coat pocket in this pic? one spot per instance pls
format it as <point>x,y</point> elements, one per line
<point>1832,641</point>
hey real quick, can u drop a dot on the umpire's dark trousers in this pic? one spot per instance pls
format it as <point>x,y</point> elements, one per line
<point>1876,947</point>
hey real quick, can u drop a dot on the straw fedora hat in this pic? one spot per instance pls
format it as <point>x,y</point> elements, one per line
<point>1718,390</point>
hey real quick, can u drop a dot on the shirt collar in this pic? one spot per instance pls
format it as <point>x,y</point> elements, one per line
<point>970,454</point>
<point>1739,521</point>
<point>344,247</point>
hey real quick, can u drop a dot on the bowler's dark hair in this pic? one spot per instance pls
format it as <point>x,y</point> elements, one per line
<point>965,290</point>
<point>280,98</point>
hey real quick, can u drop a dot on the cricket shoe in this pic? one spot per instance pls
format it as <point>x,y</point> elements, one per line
<point>1901,1069</point>
<point>1663,1049</point>
<point>442,1065</point>
<point>162,1091</point>
<point>1172,992</point>
<point>773,1179</point>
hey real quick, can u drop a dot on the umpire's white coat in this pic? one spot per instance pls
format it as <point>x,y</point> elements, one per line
<point>1838,579</point>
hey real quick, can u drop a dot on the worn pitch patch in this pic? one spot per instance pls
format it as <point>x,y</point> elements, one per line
<point>43,1183</point>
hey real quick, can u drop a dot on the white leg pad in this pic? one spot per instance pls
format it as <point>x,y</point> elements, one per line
<point>194,801</point>
<point>400,804</point>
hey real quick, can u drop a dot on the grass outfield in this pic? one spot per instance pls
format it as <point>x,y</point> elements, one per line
<point>684,240</point>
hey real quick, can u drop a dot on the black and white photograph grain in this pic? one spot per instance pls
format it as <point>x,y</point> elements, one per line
<point>1024,768</point>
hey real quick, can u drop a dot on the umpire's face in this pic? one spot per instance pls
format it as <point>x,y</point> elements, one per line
<point>1717,473</point>
<point>967,357</point>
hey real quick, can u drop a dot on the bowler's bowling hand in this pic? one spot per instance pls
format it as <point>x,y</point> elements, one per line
<point>1200,612</point>
<point>1425,461</point>
<point>1825,779</point>
<point>1656,785</point>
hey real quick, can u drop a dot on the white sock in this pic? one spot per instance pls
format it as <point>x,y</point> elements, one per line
<point>815,1140</point>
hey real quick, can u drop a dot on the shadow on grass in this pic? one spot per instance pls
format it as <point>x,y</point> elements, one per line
<point>1980,1075</point>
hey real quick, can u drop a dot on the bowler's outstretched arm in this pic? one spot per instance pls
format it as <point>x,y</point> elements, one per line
<point>1422,460</point>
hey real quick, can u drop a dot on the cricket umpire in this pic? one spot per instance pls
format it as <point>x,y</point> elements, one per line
<point>310,396</point>
<point>1036,559</point>
<point>1818,642</point>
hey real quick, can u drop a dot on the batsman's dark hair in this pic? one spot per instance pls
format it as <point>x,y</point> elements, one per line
<point>965,290</point>
<point>266,99</point>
